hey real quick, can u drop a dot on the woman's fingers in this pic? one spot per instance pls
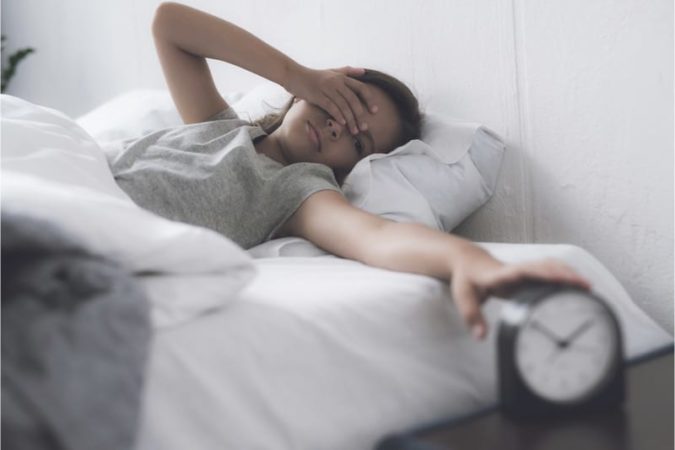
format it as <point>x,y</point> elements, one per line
<point>470,289</point>
<point>331,108</point>
<point>344,98</point>
<point>336,103</point>
<point>356,109</point>
<point>364,92</point>
<point>349,106</point>
<point>358,95</point>
<point>349,70</point>
<point>347,111</point>
<point>556,271</point>
<point>469,303</point>
<point>508,278</point>
<point>335,92</point>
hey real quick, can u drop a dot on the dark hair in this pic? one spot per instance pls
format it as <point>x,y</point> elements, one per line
<point>405,101</point>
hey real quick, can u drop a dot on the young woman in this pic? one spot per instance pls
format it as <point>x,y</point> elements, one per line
<point>281,175</point>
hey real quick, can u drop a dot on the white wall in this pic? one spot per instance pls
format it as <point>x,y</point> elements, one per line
<point>581,90</point>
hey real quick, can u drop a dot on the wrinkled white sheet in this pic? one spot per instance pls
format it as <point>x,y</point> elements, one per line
<point>326,353</point>
<point>53,170</point>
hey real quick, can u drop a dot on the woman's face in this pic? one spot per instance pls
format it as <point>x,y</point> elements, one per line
<point>336,146</point>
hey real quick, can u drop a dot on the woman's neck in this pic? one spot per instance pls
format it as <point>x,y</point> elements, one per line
<point>270,147</point>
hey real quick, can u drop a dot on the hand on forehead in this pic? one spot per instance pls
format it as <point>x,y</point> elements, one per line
<point>346,99</point>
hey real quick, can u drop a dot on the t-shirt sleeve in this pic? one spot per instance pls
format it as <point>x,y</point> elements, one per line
<point>311,179</point>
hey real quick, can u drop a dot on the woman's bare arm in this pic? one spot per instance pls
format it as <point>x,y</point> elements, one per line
<point>333,224</point>
<point>185,37</point>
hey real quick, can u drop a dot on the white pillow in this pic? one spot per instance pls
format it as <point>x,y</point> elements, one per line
<point>53,170</point>
<point>134,114</point>
<point>264,98</point>
<point>434,181</point>
<point>131,114</point>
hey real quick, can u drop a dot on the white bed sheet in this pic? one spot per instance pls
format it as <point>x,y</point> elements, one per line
<point>327,353</point>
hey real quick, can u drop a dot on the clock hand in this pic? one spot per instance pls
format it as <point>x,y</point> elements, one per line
<point>544,330</point>
<point>565,343</point>
<point>576,333</point>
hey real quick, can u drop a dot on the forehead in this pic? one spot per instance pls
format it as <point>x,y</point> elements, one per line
<point>385,124</point>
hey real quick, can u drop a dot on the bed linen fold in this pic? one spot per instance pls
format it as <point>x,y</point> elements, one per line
<point>53,170</point>
<point>75,338</point>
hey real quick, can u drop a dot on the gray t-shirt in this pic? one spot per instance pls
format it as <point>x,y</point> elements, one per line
<point>209,174</point>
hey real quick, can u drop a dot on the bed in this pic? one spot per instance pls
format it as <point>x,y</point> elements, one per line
<point>326,353</point>
<point>280,347</point>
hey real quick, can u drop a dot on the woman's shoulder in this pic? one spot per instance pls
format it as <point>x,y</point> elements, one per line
<point>229,119</point>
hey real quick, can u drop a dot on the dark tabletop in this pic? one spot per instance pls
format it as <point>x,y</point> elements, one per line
<point>644,422</point>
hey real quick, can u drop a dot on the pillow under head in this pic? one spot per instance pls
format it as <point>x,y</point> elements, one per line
<point>438,180</point>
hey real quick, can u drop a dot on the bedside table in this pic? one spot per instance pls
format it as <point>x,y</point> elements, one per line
<point>645,422</point>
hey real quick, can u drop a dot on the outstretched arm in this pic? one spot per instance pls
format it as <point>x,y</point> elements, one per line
<point>330,222</point>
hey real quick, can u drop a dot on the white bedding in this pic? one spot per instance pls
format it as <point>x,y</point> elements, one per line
<point>272,353</point>
<point>53,170</point>
<point>326,353</point>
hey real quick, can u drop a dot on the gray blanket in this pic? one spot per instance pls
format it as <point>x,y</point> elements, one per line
<point>75,336</point>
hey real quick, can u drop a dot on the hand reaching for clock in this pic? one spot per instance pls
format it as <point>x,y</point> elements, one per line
<point>478,276</point>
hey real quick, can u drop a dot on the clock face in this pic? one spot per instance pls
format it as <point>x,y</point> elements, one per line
<point>567,347</point>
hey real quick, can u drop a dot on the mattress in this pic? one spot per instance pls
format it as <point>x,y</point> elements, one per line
<point>328,353</point>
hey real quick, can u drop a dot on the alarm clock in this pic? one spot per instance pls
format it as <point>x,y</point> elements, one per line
<point>559,351</point>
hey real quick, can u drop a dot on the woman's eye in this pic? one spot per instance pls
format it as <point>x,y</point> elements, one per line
<point>358,146</point>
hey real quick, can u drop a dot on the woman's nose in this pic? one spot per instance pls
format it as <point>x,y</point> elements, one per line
<point>335,129</point>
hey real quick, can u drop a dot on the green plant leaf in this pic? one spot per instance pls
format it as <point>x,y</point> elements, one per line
<point>13,61</point>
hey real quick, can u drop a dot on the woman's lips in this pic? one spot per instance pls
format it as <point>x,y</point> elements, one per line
<point>314,135</point>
